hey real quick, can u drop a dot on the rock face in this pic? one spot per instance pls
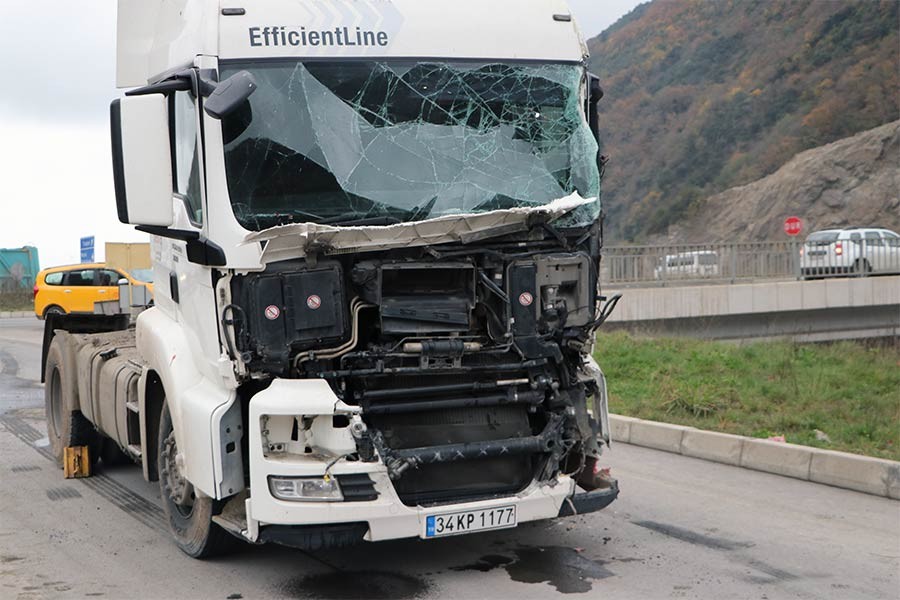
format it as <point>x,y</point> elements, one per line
<point>854,182</point>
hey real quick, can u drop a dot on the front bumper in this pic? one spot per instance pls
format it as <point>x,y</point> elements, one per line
<point>387,517</point>
<point>312,523</point>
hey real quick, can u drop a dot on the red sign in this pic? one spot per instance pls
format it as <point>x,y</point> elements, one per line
<point>793,226</point>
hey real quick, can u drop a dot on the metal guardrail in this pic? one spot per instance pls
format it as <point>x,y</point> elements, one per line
<point>733,262</point>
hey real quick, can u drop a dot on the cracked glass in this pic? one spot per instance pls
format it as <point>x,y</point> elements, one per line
<point>376,143</point>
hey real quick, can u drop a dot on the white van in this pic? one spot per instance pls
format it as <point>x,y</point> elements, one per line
<point>686,265</point>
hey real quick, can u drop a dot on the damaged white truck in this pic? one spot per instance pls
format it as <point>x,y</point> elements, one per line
<point>376,236</point>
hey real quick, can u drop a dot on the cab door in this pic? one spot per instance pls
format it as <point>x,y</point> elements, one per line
<point>78,291</point>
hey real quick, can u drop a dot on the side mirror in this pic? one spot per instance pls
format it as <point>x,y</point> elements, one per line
<point>595,94</point>
<point>230,94</point>
<point>142,161</point>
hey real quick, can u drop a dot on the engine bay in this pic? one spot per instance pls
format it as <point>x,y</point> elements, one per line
<point>467,362</point>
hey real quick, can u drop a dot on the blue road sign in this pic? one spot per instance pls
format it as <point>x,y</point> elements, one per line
<point>87,249</point>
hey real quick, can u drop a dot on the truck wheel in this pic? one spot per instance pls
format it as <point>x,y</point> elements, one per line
<point>66,426</point>
<point>190,514</point>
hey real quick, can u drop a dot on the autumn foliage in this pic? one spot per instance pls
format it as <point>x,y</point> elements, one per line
<point>702,96</point>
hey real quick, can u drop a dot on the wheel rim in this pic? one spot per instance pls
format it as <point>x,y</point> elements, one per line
<point>55,401</point>
<point>179,492</point>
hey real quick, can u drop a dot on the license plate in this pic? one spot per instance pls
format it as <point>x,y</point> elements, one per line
<point>470,520</point>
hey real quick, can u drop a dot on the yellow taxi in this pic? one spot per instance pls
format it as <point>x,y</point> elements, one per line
<point>75,288</point>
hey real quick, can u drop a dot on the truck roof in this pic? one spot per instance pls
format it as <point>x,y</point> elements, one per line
<point>158,36</point>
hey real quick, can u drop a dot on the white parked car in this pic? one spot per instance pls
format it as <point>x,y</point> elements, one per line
<point>687,265</point>
<point>850,251</point>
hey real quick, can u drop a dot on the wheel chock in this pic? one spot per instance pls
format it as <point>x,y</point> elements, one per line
<point>76,462</point>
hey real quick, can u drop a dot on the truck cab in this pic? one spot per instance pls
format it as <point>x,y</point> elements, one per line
<point>375,234</point>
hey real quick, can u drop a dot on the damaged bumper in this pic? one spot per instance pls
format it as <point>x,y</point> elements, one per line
<point>588,502</point>
<point>369,507</point>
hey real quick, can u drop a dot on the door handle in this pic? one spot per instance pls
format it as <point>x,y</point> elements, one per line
<point>101,291</point>
<point>67,291</point>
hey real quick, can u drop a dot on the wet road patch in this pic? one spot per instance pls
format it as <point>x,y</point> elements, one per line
<point>565,569</point>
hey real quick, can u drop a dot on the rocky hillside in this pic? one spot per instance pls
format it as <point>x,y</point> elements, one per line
<point>851,182</point>
<point>703,96</point>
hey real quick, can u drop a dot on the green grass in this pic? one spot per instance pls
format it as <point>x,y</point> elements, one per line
<point>20,300</point>
<point>847,390</point>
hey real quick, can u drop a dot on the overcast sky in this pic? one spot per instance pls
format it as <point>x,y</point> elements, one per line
<point>58,79</point>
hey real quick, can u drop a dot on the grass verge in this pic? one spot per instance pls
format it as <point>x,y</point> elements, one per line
<point>848,391</point>
<point>15,301</point>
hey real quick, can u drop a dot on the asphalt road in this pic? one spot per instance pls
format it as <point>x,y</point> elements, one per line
<point>681,528</point>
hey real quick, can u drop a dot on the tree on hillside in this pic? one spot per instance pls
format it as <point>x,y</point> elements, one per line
<point>703,96</point>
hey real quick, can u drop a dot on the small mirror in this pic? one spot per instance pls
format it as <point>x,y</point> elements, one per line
<point>122,281</point>
<point>230,94</point>
<point>595,93</point>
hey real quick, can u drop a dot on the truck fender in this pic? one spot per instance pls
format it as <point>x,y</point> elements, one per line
<point>196,404</point>
<point>151,396</point>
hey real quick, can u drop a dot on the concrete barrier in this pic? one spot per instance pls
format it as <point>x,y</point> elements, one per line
<point>712,445</point>
<point>780,458</point>
<point>660,436</point>
<point>856,472</point>
<point>840,469</point>
<point>620,428</point>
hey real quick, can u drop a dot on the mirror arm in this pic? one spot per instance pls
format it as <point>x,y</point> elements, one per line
<point>182,235</point>
<point>205,82</point>
<point>179,82</point>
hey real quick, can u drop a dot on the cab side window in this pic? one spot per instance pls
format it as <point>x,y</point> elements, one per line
<point>79,278</point>
<point>54,278</point>
<point>186,154</point>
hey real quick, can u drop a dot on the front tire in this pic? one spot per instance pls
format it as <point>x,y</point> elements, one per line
<point>189,513</point>
<point>66,426</point>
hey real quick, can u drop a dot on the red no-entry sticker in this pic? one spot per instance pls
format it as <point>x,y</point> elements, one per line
<point>272,312</point>
<point>314,302</point>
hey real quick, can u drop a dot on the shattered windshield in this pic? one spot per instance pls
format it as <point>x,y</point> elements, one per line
<point>375,143</point>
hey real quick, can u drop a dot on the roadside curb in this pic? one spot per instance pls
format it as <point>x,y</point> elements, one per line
<point>15,314</point>
<point>877,476</point>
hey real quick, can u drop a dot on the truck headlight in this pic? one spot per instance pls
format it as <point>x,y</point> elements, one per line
<point>306,488</point>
